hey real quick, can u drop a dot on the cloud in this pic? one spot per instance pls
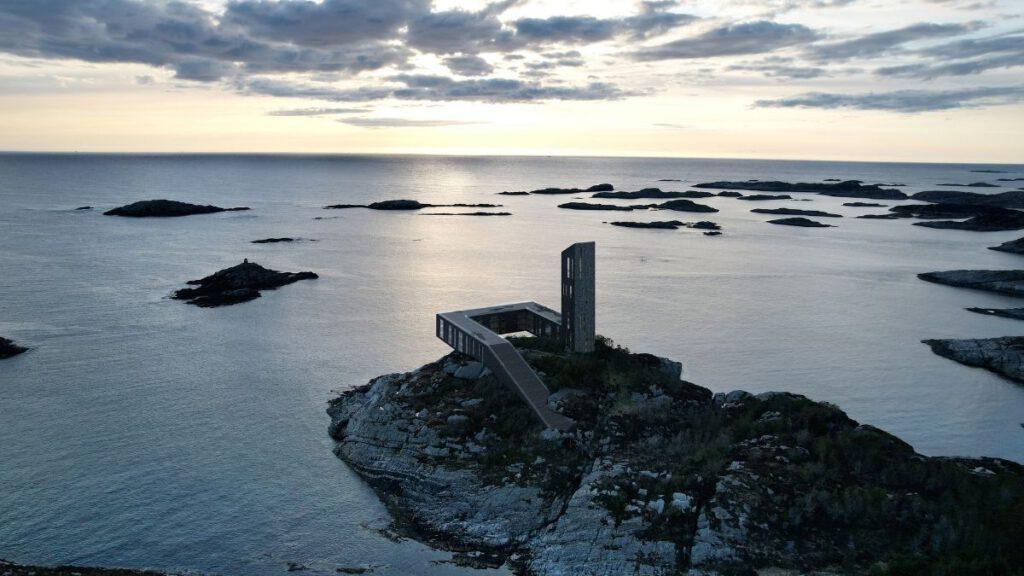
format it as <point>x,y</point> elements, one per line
<point>468,65</point>
<point>653,19</point>
<point>880,43</point>
<point>372,122</point>
<point>315,111</point>
<point>904,100</point>
<point>426,87</point>
<point>733,39</point>
<point>780,68</point>
<point>963,57</point>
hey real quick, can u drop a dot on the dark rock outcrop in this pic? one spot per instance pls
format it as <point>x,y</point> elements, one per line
<point>595,188</point>
<point>1008,199</point>
<point>589,206</point>
<point>467,214</point>
<point>799,221</point>
<point>403,204</point>
<point>84,208</point>
<point>1004,356</point>
<point>662,477</point>
<point>980,218</point>
<point>514,193</point>
<point>655,193</point>
<point>1014,313</point>
<point>1012,246</point>
<point>8,348</point>
<point>670,225</point>
<point>795,212</point>
<point>1010,282</point>
<point>863,205</point>
<point>274,240</point>
<point>889,216</point>
<point>166,209</point>
<point>730,194</point>
<point>683,205</point>
<point>763,197</point>
<point>845,189</point>
<point>11,569</point>
<point>972,185</point>
<point>659,225</point>
<point>237,284</point>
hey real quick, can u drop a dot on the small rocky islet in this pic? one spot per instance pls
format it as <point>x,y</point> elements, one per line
<point>671,225</point>
<point>1008,282</point>
<point>1009,199</point>
<point>663,477</point>
<point>8,349</point>
<point>677,205</point>
<point>237,284</point>
<point>795,212</point>
<point>554,191</point>
<point>762,197</point>
<point>653,193</point>
<point>166,209</point>
<point>1012,246</point>
<point>405,204</point>
<point>800,221</point>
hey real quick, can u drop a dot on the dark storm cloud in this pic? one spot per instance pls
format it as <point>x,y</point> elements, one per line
<point>880,43</point>
<point>903,100</point>
<point>757,37</point>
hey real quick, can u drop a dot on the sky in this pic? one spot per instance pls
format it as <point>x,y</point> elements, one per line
<point>875,80</point>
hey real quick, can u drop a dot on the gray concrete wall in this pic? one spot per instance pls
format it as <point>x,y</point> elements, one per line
<point>578,297</point>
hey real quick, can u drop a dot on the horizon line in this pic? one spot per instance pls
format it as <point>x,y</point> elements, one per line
<point>483,155</point>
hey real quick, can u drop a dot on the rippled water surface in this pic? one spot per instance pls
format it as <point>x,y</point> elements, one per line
<point>143,432</point>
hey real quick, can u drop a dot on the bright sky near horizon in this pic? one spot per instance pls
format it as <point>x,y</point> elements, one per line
<point>883,80</point>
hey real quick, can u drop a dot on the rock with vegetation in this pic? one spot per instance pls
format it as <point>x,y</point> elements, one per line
<point>653,193</point>
<point>1004,356</point>
<point>795,212</point>
<point>845,189</point>
<point>166,209</point>
<point>1012,246</point>
<point>799,221</point>
<point>9,349</point>
<point>663,477</point>
<point>1009,282</point>
<point>237,284</point>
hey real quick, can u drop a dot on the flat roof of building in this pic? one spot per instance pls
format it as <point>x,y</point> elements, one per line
<point>463,319</point>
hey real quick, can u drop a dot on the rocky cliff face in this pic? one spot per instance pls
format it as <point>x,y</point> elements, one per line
<point>662,477</point>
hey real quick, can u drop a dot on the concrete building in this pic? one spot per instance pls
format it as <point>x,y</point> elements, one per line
<point>578,297</point>
<point>477,332</point>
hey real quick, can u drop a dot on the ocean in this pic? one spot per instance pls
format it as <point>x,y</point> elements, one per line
<point>143,432</point>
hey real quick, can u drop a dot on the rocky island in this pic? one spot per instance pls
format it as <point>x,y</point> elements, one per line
<point>403,204</point>
<point>799,221</point>
<point>653,193</point>
<point>661,476</point>
<point>670,225</point>
<point>1009,282</point>
<point>1011,199</point>
<point>844,189</point>
<point>549,191</point>
<point>1004,356</point>
<point>9,349</point>
<point>237,284</point>
<point>1012,246</point>
<point>795,212</point>
<point>166,209</point>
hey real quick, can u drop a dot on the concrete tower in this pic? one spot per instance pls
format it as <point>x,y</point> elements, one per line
<point>578,297</point>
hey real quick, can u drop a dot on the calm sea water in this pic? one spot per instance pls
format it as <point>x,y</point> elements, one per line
<point>143,432</point>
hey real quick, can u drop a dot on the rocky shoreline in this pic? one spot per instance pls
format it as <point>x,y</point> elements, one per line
<point>1004,356</point>
<point>663,477</point>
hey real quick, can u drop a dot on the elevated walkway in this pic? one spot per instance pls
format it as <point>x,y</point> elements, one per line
<point>470,332</point>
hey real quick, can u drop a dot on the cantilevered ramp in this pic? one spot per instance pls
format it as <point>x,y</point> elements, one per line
<point>511,368</point>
